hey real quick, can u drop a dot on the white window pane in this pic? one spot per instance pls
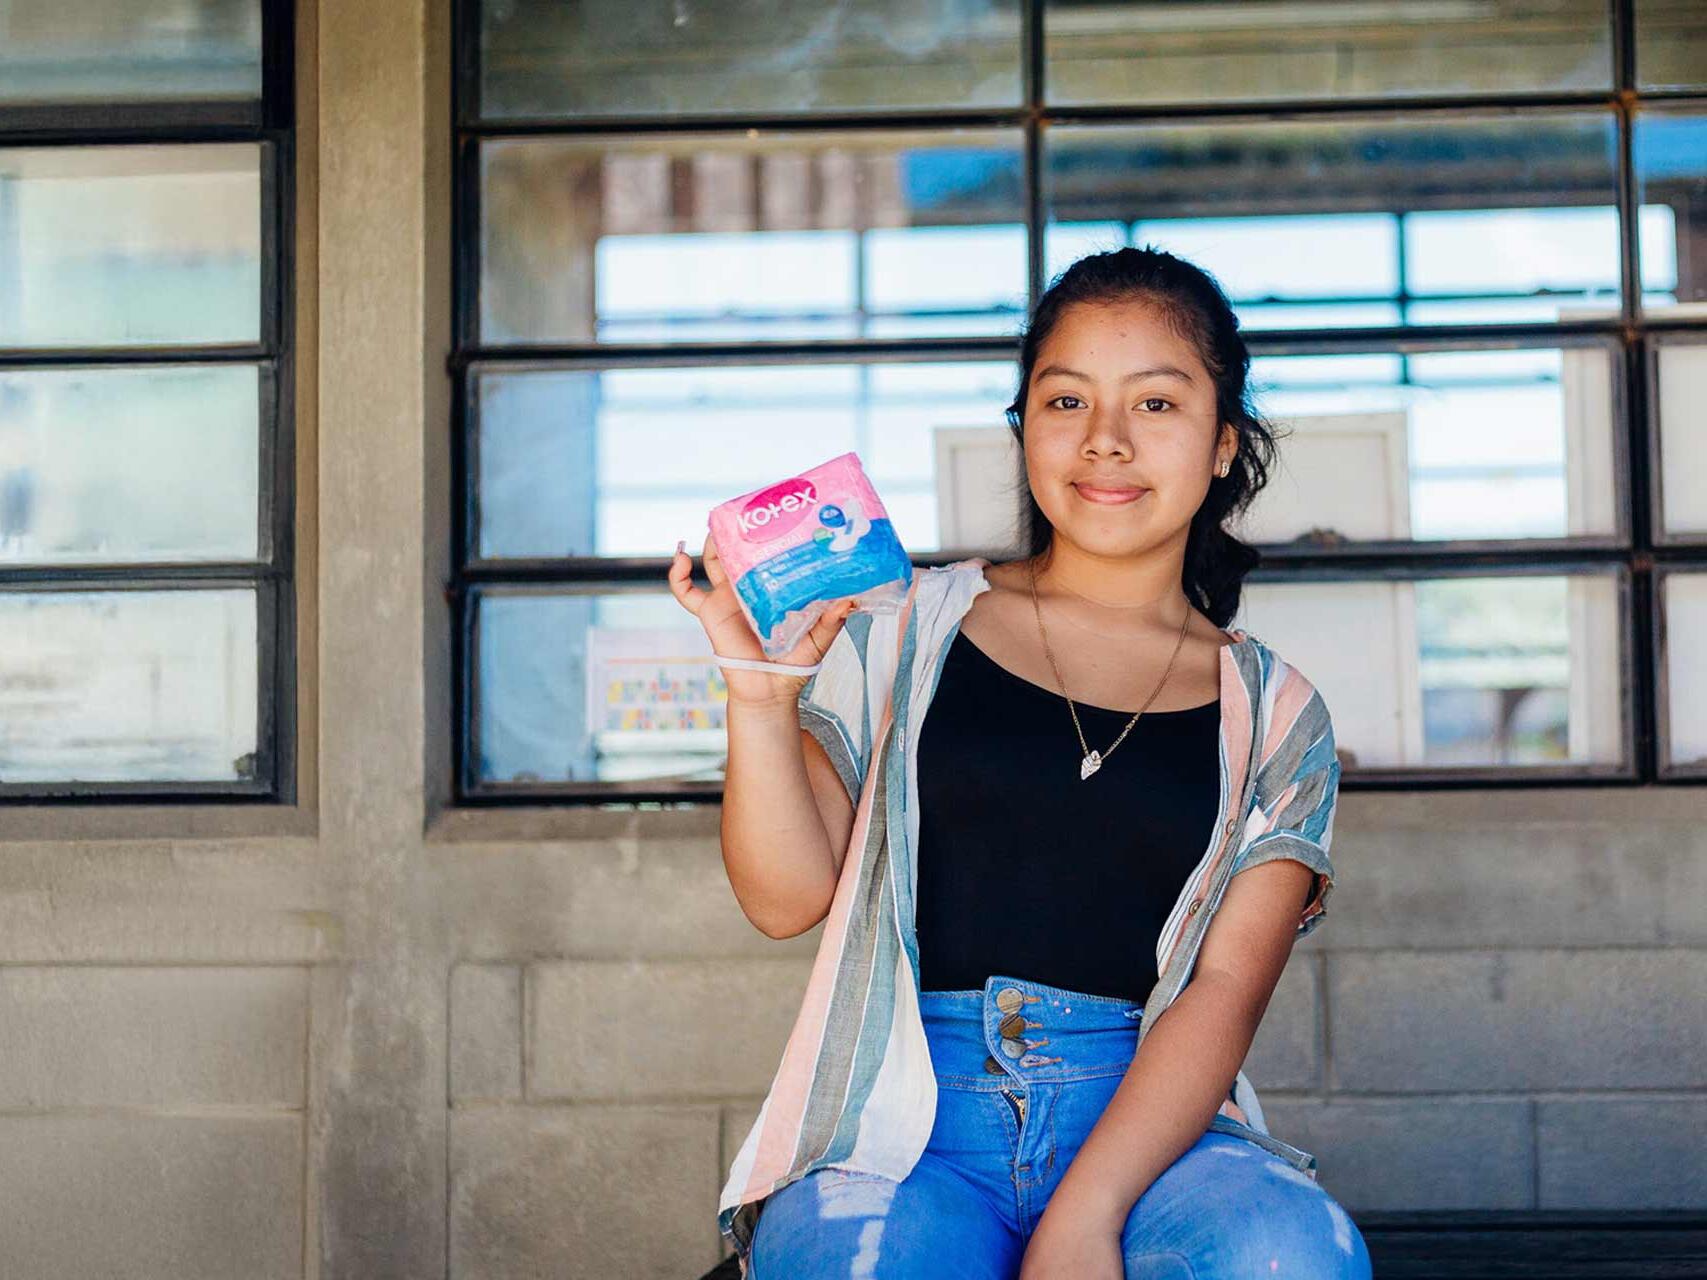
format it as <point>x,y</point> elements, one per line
<point>612,57</point>
<point>126,246</point>
<point>1471,671</point>
<point>128,50</point>
<point>1384,222</point>
<point>1684,597</point>
<point>1669,150</point>
<point>1682,410</point>
<point>1671,44</point>
<point>122,686</point>
<point>129,464</point>
<point>625,462</point>
<point>1438,445</point>
<point>751,235</point>
<point>1160,51</point>
<point>590,688</point>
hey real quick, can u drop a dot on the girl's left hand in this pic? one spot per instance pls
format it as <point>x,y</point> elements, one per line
<point>1069,1252</point>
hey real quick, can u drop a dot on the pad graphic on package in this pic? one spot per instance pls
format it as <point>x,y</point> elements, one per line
<point>793,547</point>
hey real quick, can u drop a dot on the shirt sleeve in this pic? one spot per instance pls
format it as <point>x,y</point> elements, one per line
<point>1297,792</point>
<point>835,704</point>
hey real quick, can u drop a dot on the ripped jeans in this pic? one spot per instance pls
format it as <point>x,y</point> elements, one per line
<point>1024,1071</point>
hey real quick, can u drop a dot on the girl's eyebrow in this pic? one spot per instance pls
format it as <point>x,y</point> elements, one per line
<point>1160,371</point>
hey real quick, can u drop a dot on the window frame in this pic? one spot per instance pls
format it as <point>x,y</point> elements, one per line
<point>268,122</point>
<point>1637,553</point>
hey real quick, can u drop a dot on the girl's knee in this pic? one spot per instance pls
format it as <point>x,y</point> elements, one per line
<point>1232,1209</point>
<point>857,1226</point>
<point>1301,1231</point>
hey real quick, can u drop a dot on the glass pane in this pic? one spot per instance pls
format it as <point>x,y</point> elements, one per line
<point>1510,671</point>
<point>128,246</point>
<point>624,462</point>
<point>127,686</point>
<point>607,58</point>
<point>1671,44</point>
<point>1682,410</point>
<point>1315,224</point>
<point>129,50</point>
<point>1684,596</point>
<point>1155,51</point>
<point>117,464</point>
<point>1670,152</point>
<point>591,688</point>
<point>1438,445</point>
<point>663,239</point>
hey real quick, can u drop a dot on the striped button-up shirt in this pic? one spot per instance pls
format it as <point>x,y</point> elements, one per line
<point>855,1088</point>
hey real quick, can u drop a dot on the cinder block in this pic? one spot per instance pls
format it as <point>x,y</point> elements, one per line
<point>151,1197</point>
<point>1286,1053</point>
<point>155,1036</point>
<point>236,902</point>
<point>1484,1020</point>
<point>1415,1153</point>
<point>486,1032</point>
<point>1623,1153</point>
<point>607,899</point>
<point>635,1031</point>
<point>1519,884</point>
<point>584,1192</point>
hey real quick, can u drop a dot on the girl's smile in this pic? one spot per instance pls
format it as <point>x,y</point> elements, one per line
<point>1110,496</point>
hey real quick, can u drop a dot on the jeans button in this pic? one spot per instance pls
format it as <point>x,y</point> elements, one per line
<point>1013,1026</point>
<point>993,1067</point>
<point>1008,999</point>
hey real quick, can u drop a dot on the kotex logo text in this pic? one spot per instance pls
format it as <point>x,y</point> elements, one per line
<point>775,511</point>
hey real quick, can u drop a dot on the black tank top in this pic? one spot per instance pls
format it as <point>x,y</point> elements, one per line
<point>1024,869</point>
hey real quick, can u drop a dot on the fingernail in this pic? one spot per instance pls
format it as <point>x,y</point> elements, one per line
<point>681,545</point>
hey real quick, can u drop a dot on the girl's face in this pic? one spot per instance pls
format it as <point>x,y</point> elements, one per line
<point>1121,437</point>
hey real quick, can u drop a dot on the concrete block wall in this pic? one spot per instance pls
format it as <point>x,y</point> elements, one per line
<point>1505,1011</point>
<point>152,1120</point>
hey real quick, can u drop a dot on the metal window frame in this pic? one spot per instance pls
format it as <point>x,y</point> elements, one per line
<point>270,123</point>
<point>1635,554</point>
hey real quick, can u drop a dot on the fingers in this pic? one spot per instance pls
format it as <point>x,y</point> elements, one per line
<point>829,626</point>
<point>687,595</point>
<point>713,563</point>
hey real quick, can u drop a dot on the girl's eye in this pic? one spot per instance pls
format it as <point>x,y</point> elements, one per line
<point>1150,400</point>
<point>1056,402</point>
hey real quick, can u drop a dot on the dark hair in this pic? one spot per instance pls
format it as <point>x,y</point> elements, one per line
<point>1197,310</point>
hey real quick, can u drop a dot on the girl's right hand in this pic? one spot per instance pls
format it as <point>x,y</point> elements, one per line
<point>732,636</point>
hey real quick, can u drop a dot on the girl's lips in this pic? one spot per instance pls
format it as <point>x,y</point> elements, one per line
<point>1109,497</point>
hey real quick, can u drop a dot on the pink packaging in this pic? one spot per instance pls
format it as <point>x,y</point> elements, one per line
<point>793,547</point>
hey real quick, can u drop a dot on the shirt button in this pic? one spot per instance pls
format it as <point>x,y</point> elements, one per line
<point>1195,904</point>
<point>1232,825</point>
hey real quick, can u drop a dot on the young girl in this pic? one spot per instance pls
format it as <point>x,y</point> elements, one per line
<point>981,1082</point>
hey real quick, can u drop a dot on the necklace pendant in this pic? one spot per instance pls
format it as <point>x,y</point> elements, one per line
<point>1089,765</point>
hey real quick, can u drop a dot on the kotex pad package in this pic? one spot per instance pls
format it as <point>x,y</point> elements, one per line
<point>794,547</point>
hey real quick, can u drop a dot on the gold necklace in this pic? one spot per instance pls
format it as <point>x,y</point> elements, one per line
<point>1092,760</point>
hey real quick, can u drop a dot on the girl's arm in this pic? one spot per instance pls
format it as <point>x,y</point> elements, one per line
<point>1183,1071</point>
<point>781,795</point>
<point>780,856</point>
<point>1187,1062</point>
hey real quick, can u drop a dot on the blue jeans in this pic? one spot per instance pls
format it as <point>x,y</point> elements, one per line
<point>1023,1072</point>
